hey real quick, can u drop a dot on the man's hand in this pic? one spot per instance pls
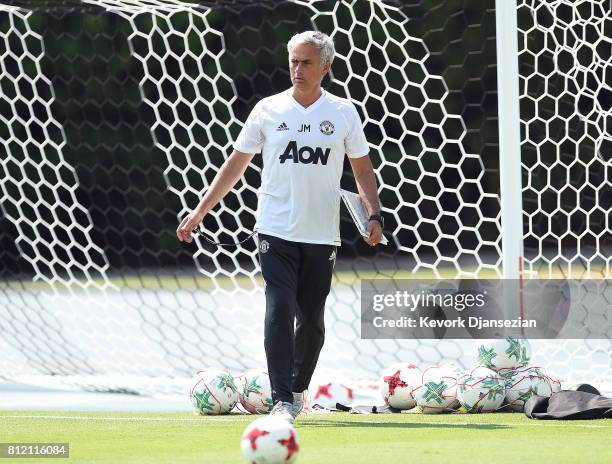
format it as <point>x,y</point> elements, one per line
<point>366,185</point>
<point>187,225</point>
<point>374,233</point>
<point>231,170</point>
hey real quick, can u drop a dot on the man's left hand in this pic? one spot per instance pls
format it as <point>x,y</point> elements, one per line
<point>374,233</point>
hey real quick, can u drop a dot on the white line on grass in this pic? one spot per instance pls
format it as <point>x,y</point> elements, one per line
<point>150,419</point>
<point>209,419</point>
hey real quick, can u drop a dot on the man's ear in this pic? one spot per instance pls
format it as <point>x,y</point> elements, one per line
<point>325,70</point>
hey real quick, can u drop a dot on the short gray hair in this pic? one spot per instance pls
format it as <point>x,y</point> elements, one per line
<point>322,41</point>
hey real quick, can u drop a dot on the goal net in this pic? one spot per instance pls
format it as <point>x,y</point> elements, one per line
<point>115,116</point>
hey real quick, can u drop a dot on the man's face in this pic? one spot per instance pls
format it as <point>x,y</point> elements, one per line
<point>305,67</point>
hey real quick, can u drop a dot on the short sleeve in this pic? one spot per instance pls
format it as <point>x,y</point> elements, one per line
<point>251,138</point>
<point>355,143</point>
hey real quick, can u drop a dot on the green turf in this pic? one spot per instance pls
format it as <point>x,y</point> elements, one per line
<point>151,438</point>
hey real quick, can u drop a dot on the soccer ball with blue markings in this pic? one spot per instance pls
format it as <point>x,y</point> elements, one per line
<point>524,383</point>
<point>255,391</point>
<point>505,353</point>
<point>438,392</point>
<point>481,390</point>
<point>213,391</point>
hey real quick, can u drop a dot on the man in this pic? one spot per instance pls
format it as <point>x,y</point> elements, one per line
<point>303,134</point>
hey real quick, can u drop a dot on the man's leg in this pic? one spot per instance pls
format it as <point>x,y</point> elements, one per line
<point>279,261</point>
<point>314,284</point>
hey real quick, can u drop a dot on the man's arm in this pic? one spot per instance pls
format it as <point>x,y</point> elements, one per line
<point>368,191</point>
<point>231,171</point>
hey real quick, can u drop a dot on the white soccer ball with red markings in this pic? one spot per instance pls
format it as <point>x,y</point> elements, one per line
<point>270,440</point>
<point>438,392</point>
<point>398,384</point>
<point>255,391</point>
<point>504,353</point>
<point>525,383</point>
<point>481,390</point>
<point>213,391</point>
<point>327,393</point>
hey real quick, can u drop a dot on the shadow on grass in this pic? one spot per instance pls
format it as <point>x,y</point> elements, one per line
<point>399,425</point>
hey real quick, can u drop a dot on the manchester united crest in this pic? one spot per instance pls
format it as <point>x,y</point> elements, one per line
<point>264,246</point>
<point>327,128</point>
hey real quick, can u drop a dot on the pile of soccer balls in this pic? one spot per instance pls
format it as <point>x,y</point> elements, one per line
<point>502,380</point>
<point>215,391</point>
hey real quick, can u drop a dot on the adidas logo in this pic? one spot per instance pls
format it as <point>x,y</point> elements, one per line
<point>282,127</point>
<point>332,256</point>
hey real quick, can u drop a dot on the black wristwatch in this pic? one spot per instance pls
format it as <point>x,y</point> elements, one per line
<point>379,218</point>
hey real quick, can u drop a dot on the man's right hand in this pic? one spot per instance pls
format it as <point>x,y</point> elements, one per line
<point>187,225</point>
<point>231,170</point>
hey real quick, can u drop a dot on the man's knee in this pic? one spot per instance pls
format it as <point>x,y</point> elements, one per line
<point>280,308</point>
<point>281,297</point>
<point>314,326</point>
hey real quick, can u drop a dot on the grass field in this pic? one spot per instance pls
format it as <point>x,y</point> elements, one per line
<point>150,438</point>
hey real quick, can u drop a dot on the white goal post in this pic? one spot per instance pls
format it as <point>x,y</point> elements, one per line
<point>510,184</point>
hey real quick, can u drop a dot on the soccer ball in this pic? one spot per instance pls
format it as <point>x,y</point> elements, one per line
<point>213,391</point>
<point>525,383</point>
<point>397,384</point>
<point>481,390</point>
<point>328,393</point>
<point>255,392</point>
<point>555,384</point>
<point>239,380</point>
<point>506,353</point>
<point>269,440</point>
<point>438,392</point>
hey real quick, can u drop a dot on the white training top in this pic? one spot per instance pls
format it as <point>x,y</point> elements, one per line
<point>303,155</point>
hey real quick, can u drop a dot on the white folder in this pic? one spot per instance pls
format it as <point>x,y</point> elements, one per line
<point>358,213</point>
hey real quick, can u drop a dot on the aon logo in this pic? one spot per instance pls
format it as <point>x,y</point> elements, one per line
<point>306,155</point>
